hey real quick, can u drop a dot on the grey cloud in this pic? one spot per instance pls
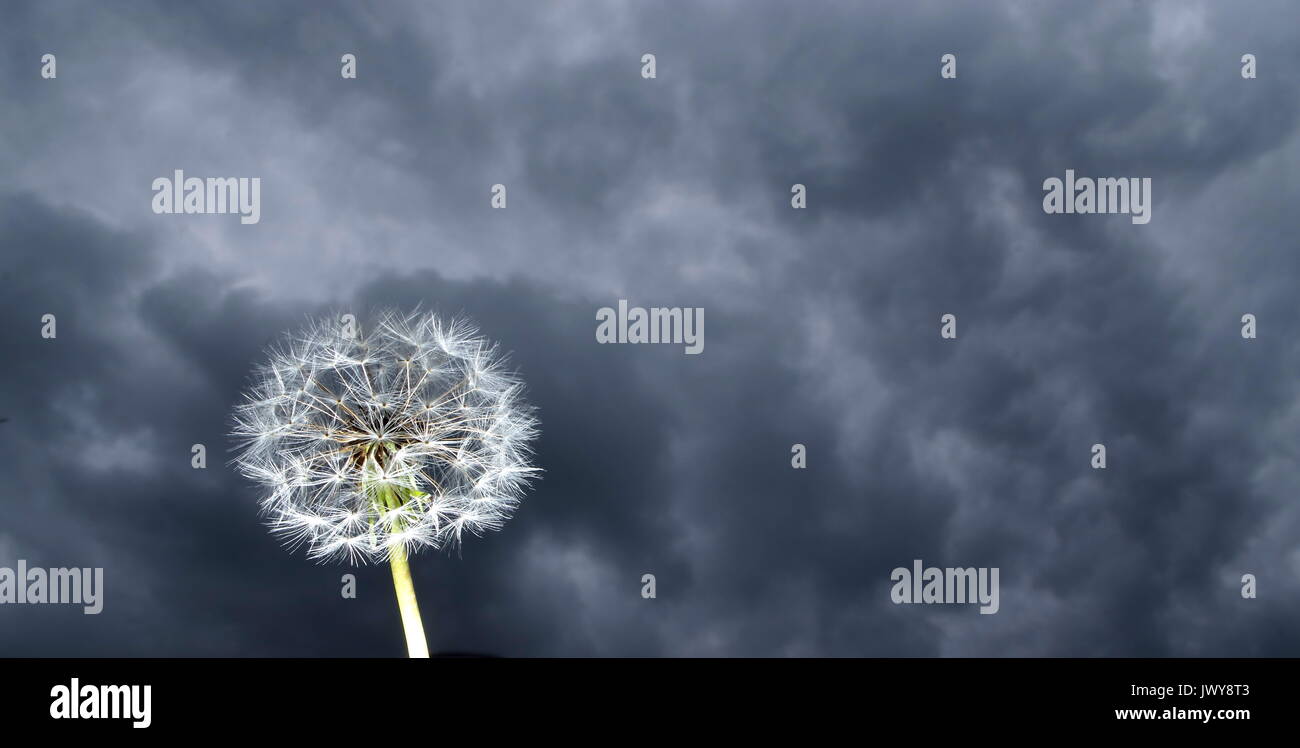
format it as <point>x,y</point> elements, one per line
<point>822,324</point>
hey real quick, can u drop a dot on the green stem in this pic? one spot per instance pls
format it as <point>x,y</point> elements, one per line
<point>407,605</point>
<point>416,646</point>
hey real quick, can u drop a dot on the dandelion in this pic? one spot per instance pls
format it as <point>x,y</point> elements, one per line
<point>373,446</point>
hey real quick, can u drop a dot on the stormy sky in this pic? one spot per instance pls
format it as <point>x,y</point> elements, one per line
<point>822,325</point>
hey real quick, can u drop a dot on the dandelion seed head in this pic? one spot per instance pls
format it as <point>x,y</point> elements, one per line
<point>411,434</point>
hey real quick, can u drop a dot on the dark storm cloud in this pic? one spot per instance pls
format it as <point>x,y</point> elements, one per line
<point>821,325</point>
<point>188,563</point>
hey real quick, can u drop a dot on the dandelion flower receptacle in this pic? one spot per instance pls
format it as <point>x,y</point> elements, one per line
<point>373,445</point>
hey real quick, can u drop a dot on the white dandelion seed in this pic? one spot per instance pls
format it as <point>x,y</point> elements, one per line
<point>371,447</point>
